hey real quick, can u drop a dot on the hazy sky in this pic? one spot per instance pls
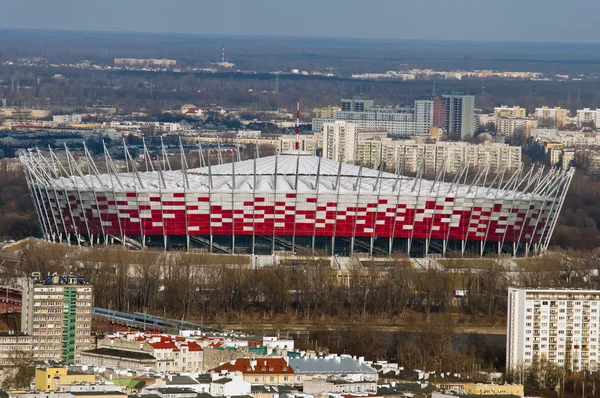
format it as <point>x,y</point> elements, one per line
<point>495,20</point>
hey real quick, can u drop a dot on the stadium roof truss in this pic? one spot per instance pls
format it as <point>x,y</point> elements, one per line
<point>293,201</point>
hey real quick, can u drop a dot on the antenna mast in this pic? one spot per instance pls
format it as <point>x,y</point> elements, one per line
<point>223,55</point>
<point>298,124</point>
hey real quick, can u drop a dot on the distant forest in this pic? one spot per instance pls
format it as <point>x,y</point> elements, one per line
<point>259,91</point>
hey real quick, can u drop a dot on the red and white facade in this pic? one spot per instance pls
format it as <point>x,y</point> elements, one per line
<point>296,202</point>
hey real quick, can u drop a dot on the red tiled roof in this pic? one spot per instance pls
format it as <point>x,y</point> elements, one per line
<point>262,366</point>
<point>193,346</point>
<point>164,345</point>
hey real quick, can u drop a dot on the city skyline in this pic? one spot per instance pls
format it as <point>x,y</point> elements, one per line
<point>427,20</point>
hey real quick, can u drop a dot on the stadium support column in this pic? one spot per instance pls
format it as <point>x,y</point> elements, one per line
<point>162,184</point>
<point>487,230</point>
<point>316,204</point>
<point>378,188</point>
<point>186,187</point>
<point>274,205</point>
<point>398,186</point>
<point>566,183</point>
<point>201,162</point>
<point>357,189</point>
<point>52,169</point>
<point>464,169</point>
<point>210,188</point>
<point>438,180</point>
<point>254,208</point>
<point>113,173</point>
<point>233,204</point>
<point>532,179</point>
<point>474,182</point>
<point>44,176</point>
<point>295,203</point>
<point>33,192</point>
<point>73,165</point>
<point>418,181</point>
<point>337,205</point>
<point>92,167</point>
<point>551,189</point>
<point>546,189</point>
<point>511,185</point>
<point>135,187</point>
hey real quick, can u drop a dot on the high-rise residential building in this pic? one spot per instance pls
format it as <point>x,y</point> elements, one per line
<point>328,112</point>
<point>515,129</point>
<point>340,140</point>
<point>460,116</point>
<point>510,111</point>
<point>551,117</point>
<point>561,326</point>
<point>586,116</point>
<point>439,112</point>
<point>357,104</point>
<point>57,314</point>
<point>424,115</point>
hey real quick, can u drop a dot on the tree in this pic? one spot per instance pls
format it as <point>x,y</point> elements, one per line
<point>21,371</point>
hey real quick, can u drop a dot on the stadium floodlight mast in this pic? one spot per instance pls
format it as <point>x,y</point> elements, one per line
<point>280,200</point>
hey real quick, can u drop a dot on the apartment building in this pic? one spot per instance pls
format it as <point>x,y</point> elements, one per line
<point>173,354</point>
<point>409,154</point>
<point>460,115</point>
<point>308,143</point>
<point>357,104</point>
<point>586,116</point>
<point>551,117</point>
<point>558,325</point>
<point>57,314</point>
<point>10,343</point>
<point>514,129</point>
<point>510,111</point>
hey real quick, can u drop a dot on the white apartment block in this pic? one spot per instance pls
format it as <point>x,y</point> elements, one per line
<point>308,143</point>
<point>423,116</point>
<point>410,155</point>
<point>510,111</point>
<point>513,128</point>
<point>588,115</point>
<point>551,117</point>
<point>559,325</point>
<point>67,119</point>
<point>339,141</point>
<point>396,121</point>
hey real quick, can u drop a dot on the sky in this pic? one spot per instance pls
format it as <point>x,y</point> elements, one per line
<point>479,20</point>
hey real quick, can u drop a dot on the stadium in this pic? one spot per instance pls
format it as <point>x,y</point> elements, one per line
<point>294,202</point>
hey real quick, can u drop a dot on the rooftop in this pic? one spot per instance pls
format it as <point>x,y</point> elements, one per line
<point>113,352</point>
<point>330,365</point>
<point>267,175</point>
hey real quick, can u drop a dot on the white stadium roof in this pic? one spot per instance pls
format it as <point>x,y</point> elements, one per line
<point>279,173</point>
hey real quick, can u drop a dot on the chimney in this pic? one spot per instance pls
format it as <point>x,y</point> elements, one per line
<point>232,362</point>
<point>361,360</point>
<point>170,377</point>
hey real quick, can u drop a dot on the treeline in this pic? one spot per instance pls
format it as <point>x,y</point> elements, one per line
<point>17,214</point>
<point>579,222</point>
<point>217,288</point>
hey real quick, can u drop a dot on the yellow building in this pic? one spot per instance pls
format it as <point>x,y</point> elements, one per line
<point>494,389</point>
<point>328,112</point>
<point>510,111</point>
<point>52,378</point>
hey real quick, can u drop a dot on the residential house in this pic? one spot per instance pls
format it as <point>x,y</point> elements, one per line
<point>259,371</point>
<point>337,367</point>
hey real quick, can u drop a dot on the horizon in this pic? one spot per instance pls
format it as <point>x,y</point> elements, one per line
<point>470,20</point>
<point>282,36</point>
